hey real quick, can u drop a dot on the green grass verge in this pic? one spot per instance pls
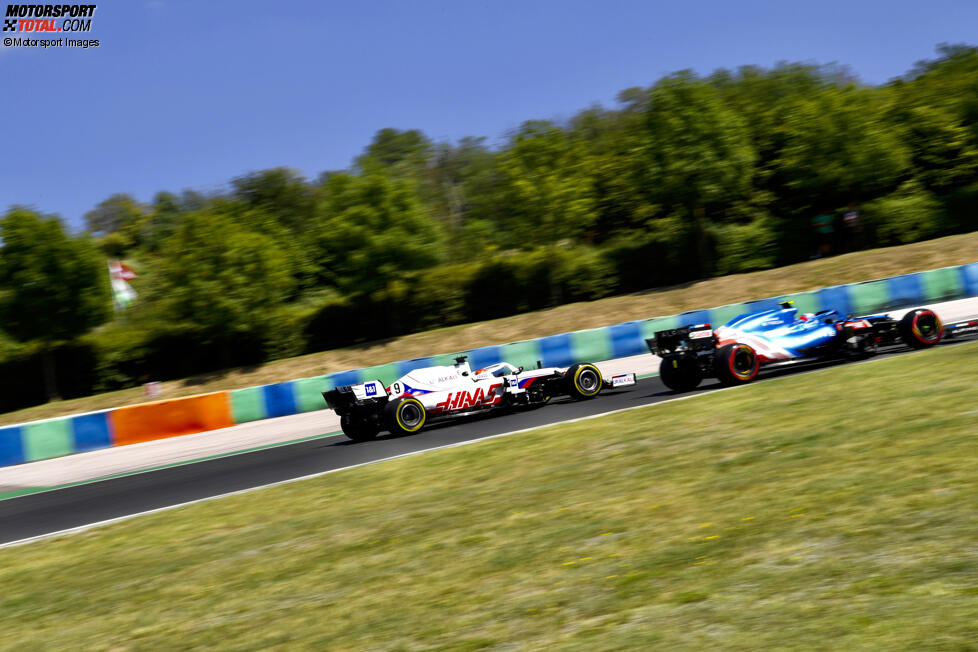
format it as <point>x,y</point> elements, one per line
<point>828,510</point>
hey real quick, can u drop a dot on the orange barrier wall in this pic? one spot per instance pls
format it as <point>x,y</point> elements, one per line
<point>179,416</point>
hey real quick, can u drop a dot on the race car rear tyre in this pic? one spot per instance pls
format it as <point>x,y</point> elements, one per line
<point>404,416</point>
<point>921,328</point>
<point>584,381</point>
<point>736,364</point>
<point>680,374</point>
<point>358,429</point>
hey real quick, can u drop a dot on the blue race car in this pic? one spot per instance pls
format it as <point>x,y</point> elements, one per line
<point>736,351</point>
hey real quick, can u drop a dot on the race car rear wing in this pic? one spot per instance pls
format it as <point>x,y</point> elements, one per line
<point>342,399</point>
<point>698,337</point>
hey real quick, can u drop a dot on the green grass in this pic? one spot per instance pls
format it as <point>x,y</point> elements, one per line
<point>832,510</point>
<point>708,293</point>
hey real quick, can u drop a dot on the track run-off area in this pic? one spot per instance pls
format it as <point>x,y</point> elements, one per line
<point>68,494</point>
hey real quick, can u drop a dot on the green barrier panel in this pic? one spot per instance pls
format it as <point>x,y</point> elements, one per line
<point>308,393</point>
<point>248,404</point>
<point>385,373</point>
<point>942,284</point>
<point>592,345</point>
<point>522,354</point>
<point>867,298</point>
<point>650,326</point>
<point>46,439</point>
<point>723,314</point>
<point>804,301</point>
<point>443,360</point>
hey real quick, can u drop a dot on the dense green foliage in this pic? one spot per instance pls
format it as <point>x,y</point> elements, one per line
<point>691,177</point>
<point>53,287</point>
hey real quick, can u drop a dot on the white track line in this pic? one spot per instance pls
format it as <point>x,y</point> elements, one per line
<point>82,528</point>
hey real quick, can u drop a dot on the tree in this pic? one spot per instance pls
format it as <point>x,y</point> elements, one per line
<point>839,149</point>
<point>699,155</point>
<point>396,152</point>
<point>460,179</point>
<point>57,286</point>
<point>118,222</point>
<point>369,229</point>
<point>548,197</point>
<point>162,220</point>
<point>280,193</point>
<point>222,278</point>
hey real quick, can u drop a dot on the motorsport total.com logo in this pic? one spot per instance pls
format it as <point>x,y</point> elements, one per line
<point>44,18</point>
<point>38,19</point>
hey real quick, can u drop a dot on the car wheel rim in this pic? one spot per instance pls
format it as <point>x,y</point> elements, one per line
<point>926,326</point>
<point>410,415</point>
<point>743,362</point>
<point>588,380</point>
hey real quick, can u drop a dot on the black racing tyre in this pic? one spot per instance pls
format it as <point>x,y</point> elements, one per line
<point>583,381</point>
<point>680,374</point>
<point>359,429</point>
<point>921,328</point>
<point>405,415</point>
<point>736,364</point>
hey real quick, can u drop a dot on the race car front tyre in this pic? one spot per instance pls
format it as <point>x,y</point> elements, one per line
<point>736,364</point>
<point>359,429</point>
<point>404,416</point>
<point>921,328</point>
<point>680,374</point>
<point>584,381</point>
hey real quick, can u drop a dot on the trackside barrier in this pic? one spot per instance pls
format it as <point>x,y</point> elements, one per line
<point>179,416</point>
<point>39,440</point>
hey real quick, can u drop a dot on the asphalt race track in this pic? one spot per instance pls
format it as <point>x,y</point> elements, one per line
<point>52,511</point>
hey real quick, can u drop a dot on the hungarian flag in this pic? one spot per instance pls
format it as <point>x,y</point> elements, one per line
<point>122,292</point>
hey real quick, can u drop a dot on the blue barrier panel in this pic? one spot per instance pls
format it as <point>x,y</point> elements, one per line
<point>91,432</point>
<point>11,446</point>
<point>407,366</point>
<point>835,298</point>
<point>969,279</point>
<point>556,350</point>
<point>484,356</point>
<point>626,339</point>
<point>760,305</point>
<point>341,378</point>
<point>694,317</point>
<point>905,291</point>
<point>279,399</point>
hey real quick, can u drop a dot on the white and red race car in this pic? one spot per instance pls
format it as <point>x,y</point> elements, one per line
<point>435,393</point>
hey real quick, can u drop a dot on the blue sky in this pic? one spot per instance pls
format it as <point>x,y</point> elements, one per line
<point>185,94</point>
